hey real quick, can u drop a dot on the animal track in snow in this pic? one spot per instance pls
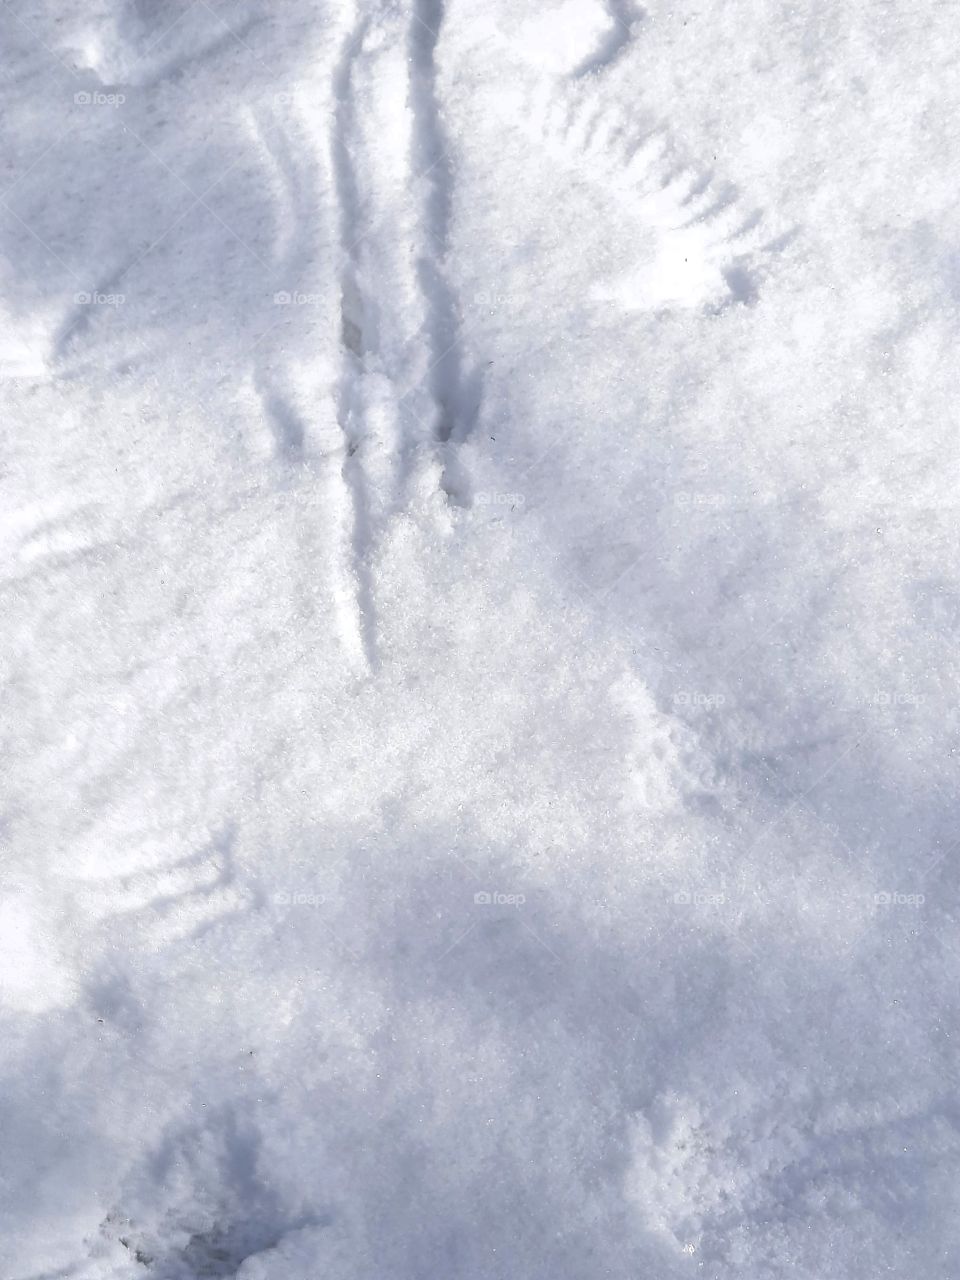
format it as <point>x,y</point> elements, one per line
<point>291,375</point>
<point>623,14</point>
<point>690,1179</point>
<point>215,1215</point>
<point>52,532</point>
<point>146,44</point>
<point>140,893</point>
<point>214,1253</point>
<point>346,152</point>
<point>456,391</point>
<point>694,243</point>
<point>561,37</point>
<point>400,317</point>
<point>296,371</point>
<point>364,382</point>
<point>168,900</point>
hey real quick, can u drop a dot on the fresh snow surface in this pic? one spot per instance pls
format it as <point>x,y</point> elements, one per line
<point>480,603</point>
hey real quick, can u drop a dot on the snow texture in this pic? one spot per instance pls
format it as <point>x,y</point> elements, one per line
<point>480,597</point>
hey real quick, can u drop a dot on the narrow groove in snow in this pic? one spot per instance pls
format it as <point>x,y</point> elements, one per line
<point>455,391</point>
<point>352,333</point>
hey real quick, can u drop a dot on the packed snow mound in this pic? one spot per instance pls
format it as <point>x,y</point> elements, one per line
<point>479,655</point>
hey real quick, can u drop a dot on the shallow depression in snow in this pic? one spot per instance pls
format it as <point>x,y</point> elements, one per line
<point>478,662</point>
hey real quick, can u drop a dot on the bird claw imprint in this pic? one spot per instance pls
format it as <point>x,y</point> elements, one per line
<point>169,902</point>
<point>694,242</point>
